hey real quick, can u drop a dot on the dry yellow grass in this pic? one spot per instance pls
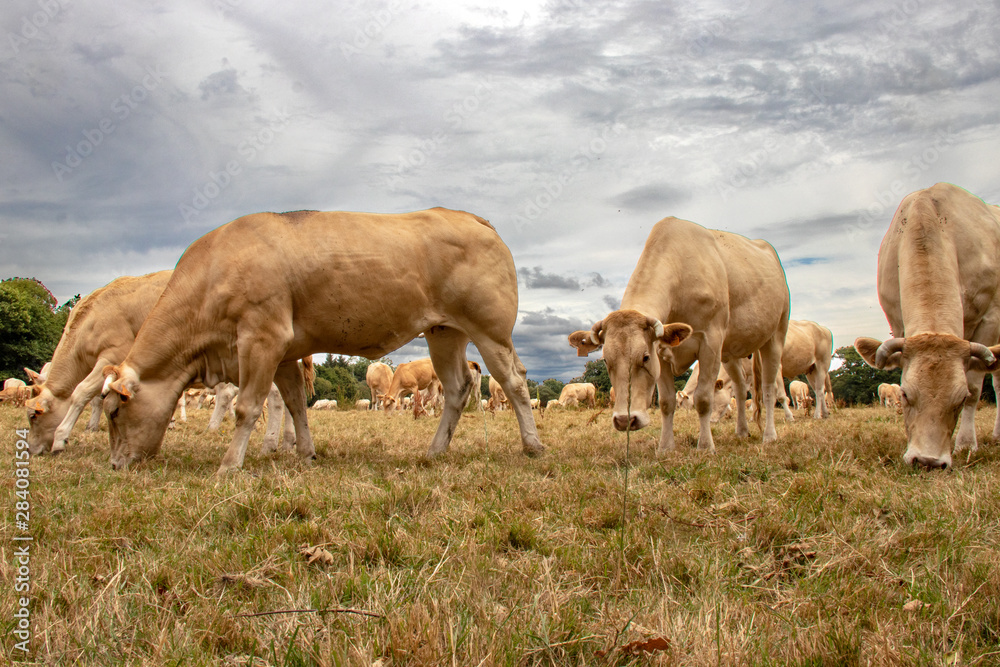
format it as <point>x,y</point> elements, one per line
<point>819,549</point>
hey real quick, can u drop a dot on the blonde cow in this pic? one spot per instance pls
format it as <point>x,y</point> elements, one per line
<point>938,277</point>
<point>378,377</point>
<point>807,351</point>
<point>722,395</point>
<point>498,399</point>
<point>798,391</point>
<point>410,379</point>
<point>696,295</point>
<point>577,393</point>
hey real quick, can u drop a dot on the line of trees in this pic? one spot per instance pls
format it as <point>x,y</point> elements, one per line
<point>31,323</point>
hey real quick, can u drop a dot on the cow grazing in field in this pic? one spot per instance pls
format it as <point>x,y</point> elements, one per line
<point>362,404</point>
<point>378,377</point>
<point>807,351</point>
<point>828,394</point>
<point>798,391</point>
<point>250,298</point>
<point>100,330</point>
<point>721,396</point>
<point>723,297</point>
<point>325,404</point>
<point>938,279</point>
<point>498,399</point>
<point>890,395</point>
<point>410,379</point>
<point>578,393</point>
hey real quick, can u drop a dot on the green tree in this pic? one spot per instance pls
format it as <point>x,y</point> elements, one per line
<point>596,373</point>
<point>855,381</point>
<point>30,325</point>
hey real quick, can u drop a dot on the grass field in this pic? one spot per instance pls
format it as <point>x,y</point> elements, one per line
<point>819,549</point>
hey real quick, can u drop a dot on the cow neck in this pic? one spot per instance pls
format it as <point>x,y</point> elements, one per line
<point>930,288</point>
<point>69,367</point>
<point>168,345</point>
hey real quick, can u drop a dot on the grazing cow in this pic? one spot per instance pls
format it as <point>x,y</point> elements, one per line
<point>535,403</point>
<point>828,394</point>
<point>938,277</point>
<point>890,395</point>
<point>575,393</point>
<point>724,390</point>
<point>498,399</point>
<point>14,383</point>
<point>378,377</point>
<point>100,330</point>
<point>798,391</point>
<point>410,379</point>
<point>248,299</point>
<point>555,404</point>
<point>325,404</point>
<point>362,404</point>
<point>807,351</point>
<point>723,297</point>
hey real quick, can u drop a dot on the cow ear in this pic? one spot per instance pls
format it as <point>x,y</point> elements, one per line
<point>586,342</point>
<point>869,348</point>
<point>36,405</point>
<point>676,333</point>
<point>36,378</point>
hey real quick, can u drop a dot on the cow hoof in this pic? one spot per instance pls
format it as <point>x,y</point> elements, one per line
<point>534,450</point>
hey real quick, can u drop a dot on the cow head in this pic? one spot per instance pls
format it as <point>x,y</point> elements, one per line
<point>631,342</point>
<point>934,387</point>
<point>45,413</point>
<point>138,414</point>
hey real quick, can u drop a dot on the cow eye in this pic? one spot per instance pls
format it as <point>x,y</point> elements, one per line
<point>645,358</point>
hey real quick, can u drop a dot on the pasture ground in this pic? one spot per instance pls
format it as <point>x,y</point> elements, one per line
<point>819,549</point>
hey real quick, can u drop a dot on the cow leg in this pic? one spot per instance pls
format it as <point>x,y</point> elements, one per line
<point>504,365</point>
<point>735,370</point>
<point>770,356</point>
<point>288,433</point>
<point>289,379</point>
<point>224,393</point>
<point>258,367</point>
<point>817,380</point>
<point>780,396</point>
<point>275,410</point>
<point>708,365</point>
<point>966,438</point>
<point>668,407</point>
<point>95,414</point>
<point>182,404</point>
<point>88,389</point>
<point>447,350</point>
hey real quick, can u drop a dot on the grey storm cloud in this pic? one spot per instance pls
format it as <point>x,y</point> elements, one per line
<point>572,126</point>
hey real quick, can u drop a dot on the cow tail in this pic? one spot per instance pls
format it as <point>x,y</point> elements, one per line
<point>309,371</point>
<point>758,371</point>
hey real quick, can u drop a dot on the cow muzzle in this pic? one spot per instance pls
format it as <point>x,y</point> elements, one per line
<point>927,462</point>
<point>630,422</point>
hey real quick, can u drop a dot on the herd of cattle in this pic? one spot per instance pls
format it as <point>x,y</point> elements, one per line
<point>249,300</point>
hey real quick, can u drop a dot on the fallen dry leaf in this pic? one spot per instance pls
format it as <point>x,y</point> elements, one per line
<point>915,605</point>
<point>314,554</point>
<point>641,646</point>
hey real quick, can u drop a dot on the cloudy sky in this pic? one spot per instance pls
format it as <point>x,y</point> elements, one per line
<point>129,129</point>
